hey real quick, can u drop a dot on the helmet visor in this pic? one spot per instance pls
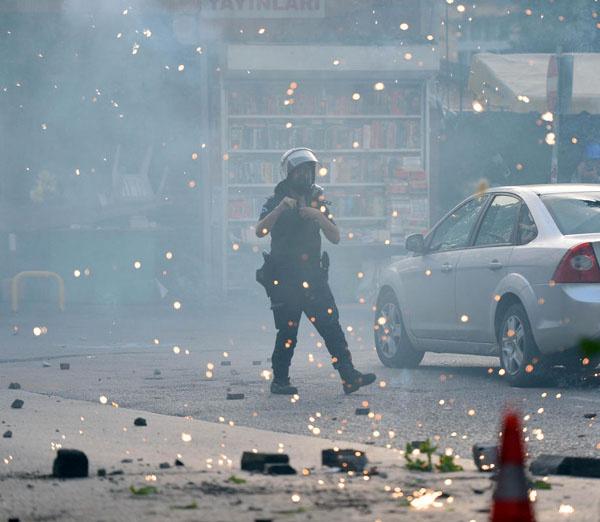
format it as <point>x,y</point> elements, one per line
<point>298,157</point>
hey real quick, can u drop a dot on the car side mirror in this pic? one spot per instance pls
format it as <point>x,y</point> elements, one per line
<point>415,243</point>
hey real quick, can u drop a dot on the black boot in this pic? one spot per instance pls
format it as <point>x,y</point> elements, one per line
<point>283,387</point>
<point>352,379</point>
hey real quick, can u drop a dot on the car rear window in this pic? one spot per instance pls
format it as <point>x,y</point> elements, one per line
<point>577,213</point>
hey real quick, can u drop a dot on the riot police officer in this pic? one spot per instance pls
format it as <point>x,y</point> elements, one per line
<point>295,274</point>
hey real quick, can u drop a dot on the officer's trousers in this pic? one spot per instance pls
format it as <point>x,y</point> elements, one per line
<point>289,300</point>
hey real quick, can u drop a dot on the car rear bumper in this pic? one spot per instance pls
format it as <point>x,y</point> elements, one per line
<point>562,314</point>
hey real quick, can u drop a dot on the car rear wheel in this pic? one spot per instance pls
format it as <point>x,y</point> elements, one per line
<point>519,355</point>
<point>393,345</point>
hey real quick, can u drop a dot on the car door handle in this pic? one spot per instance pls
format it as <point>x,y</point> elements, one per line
<point>495,264</point>
<point>446,267</point>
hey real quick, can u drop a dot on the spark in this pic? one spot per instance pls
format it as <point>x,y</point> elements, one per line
<point>177,305</point>
<point>404,26</point>
<point>137,265</point>
<point>103,399</point>
<point>37,331</point>
<point>477,106</point>
<point>186,437</point>
<point>424,499</point>
<point>548,116</point>
<point>379,86</point>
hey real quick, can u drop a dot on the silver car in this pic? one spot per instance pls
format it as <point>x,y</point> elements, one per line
<point>512,271</point>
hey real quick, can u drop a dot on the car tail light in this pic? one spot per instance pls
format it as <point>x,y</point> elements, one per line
<point>579,265</point>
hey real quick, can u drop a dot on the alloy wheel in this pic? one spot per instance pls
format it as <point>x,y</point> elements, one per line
<point>390,332</point>
<point>513,339</point>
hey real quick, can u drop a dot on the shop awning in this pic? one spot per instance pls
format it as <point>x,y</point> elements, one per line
<point>517,82</point>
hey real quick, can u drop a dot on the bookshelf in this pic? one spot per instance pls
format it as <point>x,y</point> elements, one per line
<point>371,145</point>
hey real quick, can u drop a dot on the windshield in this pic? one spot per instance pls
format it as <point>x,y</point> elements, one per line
<point>575,213</point>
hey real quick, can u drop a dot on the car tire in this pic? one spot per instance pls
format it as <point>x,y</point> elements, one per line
<point>519,355</point>
<point>391,340</point>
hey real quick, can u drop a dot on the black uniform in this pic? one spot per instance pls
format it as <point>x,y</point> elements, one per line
<point>297,283</point>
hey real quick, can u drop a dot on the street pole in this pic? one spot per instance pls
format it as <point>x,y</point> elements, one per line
<point>556,127</point>
<point>564,92</point>
<point>447,60</point>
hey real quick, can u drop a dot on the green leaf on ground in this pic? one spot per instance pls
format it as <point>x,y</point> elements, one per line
<point>540,484</point>
<point>145,490</point>
<point>416,463</point>
<point>193,505</point>
<point>447,464</point>
<point>237,480</point>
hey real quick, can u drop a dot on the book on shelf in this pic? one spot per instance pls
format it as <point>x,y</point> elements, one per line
<point>317,134</point>
<point>313,99</point>
<point>357,205</point>
<point>345,169</point>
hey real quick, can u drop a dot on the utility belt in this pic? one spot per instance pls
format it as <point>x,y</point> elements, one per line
<point>269,272</point>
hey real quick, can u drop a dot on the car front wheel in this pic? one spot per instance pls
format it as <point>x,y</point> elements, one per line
<point>393,345</point>
<point>519,355</point>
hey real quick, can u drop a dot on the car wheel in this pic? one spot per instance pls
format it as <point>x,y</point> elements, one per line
<point>519,355</point>
<point>393,345</point>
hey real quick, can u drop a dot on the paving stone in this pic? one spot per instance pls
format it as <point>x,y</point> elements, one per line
<point>345,459</point>
<point>561,465</point>
<point>257,461</point>
<point>70,463</point>
<point>485,456</point>
<point>278,469</point>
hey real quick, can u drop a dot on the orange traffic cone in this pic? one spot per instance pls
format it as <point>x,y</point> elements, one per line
<point>511,499</point>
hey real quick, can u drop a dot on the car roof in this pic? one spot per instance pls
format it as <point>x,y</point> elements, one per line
<point>555,188</point>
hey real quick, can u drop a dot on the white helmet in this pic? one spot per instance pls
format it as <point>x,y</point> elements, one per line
<point>295,157</point>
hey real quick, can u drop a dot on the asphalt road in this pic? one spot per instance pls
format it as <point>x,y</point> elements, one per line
<point>128,356</point>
